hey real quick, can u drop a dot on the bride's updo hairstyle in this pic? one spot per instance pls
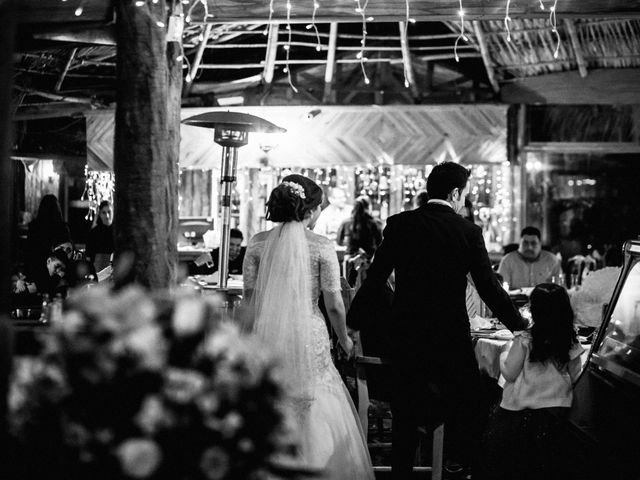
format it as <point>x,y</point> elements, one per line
<point>293,199</point>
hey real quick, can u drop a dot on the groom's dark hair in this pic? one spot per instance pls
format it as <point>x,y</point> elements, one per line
<point>445,177</point>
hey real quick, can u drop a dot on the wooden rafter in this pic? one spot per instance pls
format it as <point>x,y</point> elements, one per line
<point>65,70</point>
<point>486,59</point>
<point>575,43</point>
<point>329,73</point>
<point>188,81</point>
<point>256,11</point>
<point>271,54</point>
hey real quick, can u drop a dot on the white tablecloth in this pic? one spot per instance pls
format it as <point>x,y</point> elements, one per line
<point>488,352</point>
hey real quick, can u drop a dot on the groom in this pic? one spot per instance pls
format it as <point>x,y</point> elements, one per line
<point>432,249</point>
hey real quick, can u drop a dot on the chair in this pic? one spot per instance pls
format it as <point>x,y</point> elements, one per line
<point>378,368</point>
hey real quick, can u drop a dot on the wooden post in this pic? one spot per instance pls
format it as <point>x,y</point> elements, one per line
<point>7,33</point>
<point>146,153</point>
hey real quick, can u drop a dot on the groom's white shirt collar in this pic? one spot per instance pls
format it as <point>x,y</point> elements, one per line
<point>440,202</point>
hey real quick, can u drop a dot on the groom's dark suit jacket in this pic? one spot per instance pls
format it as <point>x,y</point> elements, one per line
<point>431,249</point>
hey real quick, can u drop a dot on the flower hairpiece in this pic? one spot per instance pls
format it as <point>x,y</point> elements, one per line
<point>296,189</point>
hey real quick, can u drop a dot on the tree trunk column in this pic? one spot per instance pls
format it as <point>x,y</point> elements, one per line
<point>146,144</point>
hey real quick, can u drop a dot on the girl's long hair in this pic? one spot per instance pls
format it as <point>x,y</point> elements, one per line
<point>552,332</point>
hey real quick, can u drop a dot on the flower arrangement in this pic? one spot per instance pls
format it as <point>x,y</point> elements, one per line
<point>134,386</point>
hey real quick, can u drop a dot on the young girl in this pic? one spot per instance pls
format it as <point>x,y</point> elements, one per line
<point>539,369</point>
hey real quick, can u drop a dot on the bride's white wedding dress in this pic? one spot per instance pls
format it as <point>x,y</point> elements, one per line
<point>331,435</point>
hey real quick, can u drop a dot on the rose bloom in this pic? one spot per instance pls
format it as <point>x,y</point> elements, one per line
<point>139,457</point>
<point>215,463</point>
<point>151,415</point>
<point>183,386</point>
<point>187,317</point>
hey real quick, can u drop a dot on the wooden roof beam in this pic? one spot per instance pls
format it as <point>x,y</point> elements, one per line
<point>188,81</point>
<point>486,59</point>
<point>329,73</point>
<point>577,49</point>
<point>65,70</point>
<point>257,11</point>
<point>271,54</point>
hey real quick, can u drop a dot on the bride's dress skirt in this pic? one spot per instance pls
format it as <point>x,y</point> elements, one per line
<point>330,433</point>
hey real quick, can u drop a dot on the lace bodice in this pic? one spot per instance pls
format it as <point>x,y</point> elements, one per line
<point>325,271</point>
<point>325,276</point>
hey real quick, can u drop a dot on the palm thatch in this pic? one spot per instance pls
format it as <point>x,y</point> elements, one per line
<point>531,49</point>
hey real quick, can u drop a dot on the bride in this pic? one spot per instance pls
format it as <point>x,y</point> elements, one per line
<point>284,271</point>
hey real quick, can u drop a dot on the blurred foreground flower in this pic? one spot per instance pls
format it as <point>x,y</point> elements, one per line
<point>136,386</point>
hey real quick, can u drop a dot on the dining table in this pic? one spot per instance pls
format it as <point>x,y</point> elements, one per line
<point>488,345</point>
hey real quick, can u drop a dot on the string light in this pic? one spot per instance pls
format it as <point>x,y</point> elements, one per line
<point>361,9</point>
<point>408,20</point>
<point>313,25</point>
<point>507,21</point>
<point>287,47</point>
<point>78,11</point>
<point>462,36</point>
<point>554,27</point>
<point>99,186</point>
<point>541,5</point>
<point>205,10</point>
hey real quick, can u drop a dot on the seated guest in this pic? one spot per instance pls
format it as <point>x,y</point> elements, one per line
<point>529,265</point>
<point>100,240</point>
<point>208,263</point>
<point>333,215</point>
<point>421,198</point>
<point>54,281</point>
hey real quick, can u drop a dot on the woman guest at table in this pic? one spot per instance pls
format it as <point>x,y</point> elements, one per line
<point>540,369</point>
<point>100,240</point>
<point>361,234</point>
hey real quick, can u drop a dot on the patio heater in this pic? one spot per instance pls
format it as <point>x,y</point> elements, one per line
<point>231,131</point>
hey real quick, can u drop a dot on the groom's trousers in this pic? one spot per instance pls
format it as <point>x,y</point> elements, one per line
<point>427,397</point>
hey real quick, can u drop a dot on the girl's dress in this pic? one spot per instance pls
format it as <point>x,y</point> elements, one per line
<point>523,437</point>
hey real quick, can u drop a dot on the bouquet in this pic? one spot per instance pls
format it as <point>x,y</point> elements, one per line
<point>130,385</point>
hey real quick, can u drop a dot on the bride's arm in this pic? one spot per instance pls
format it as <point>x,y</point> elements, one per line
<point>335,310</point>
<point>331,292</point>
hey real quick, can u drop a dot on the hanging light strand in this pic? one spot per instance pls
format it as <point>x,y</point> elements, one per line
<point>287,47</point>
<point>541,5</point>
<point>507,21</point>
<point>313,25</point>
<point>408,20</point>
<point>554,27</point>
<point>462,36</point>
<point>361,9</point>
<point>192,7</point>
